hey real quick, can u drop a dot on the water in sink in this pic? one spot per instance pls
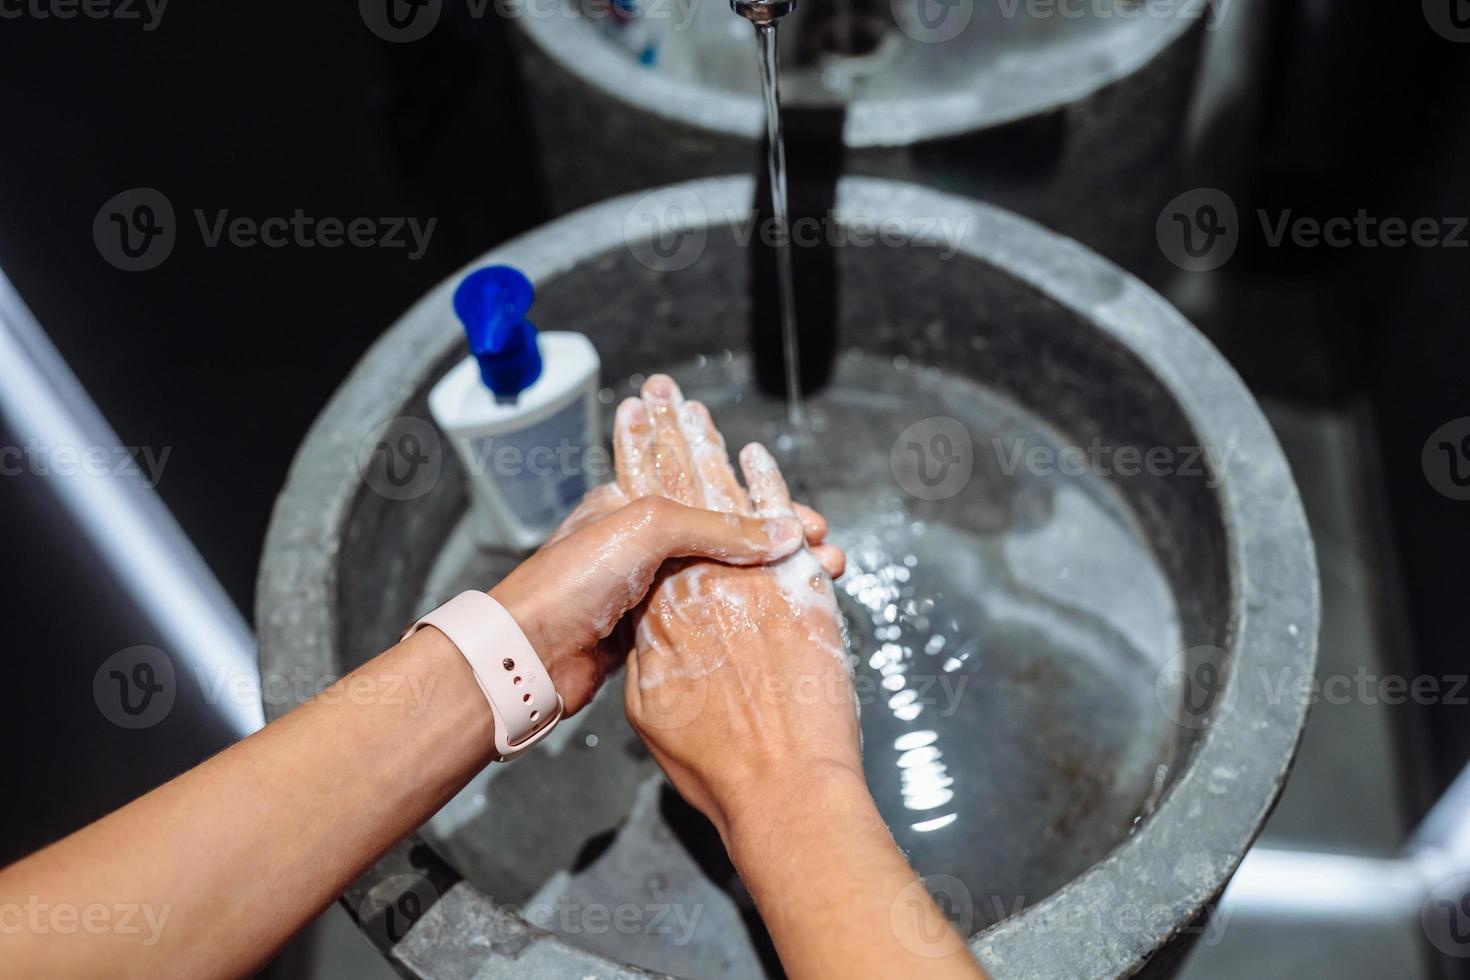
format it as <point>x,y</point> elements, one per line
<point>1007,639</point>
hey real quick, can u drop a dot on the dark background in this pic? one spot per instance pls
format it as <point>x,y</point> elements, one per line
<point>225,355</point>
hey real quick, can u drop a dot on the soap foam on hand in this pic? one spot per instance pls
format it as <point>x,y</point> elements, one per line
<point>521,411</point>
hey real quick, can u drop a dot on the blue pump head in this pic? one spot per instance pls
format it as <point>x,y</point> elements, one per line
<point>492,304</point>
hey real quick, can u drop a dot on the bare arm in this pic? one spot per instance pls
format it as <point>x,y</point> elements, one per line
<point>227,861</point>
<point>835,891</point>
<point>739,684</point>
<point>230,859</point>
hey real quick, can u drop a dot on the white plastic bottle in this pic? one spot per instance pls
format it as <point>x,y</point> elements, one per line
<point>521,412</point>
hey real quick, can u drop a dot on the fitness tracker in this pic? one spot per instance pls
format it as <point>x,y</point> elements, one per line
<point>522,698</point>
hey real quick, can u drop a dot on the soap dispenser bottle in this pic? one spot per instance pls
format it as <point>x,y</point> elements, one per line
<point>521,412</point>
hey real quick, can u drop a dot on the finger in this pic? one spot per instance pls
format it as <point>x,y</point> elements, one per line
<point>814,523</point>
<point>671,457</point>
<point>580,678</point>
<point>671,530</point>
<point>768,494</point>
<point>833,559</point>
<point>597,503</point>
<point>633,446</point>
<point>711,462</point>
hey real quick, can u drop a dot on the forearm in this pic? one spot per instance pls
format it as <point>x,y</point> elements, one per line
<point>233,857</point>
<point>835,891</point>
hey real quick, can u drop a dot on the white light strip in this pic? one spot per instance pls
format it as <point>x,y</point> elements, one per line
<point>1272,884</point>
<point>127,522</point>
<point>1446,829</point>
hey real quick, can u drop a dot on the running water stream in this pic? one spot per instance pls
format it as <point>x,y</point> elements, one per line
<point>770,71</point>
<point>1042,582</point>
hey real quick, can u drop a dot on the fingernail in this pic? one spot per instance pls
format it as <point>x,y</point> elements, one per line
<point>632,412</point>
<point>659,389</point>
<point>756,457</point>
<point>783,530</point>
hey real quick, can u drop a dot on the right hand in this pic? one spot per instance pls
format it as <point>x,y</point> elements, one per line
<point>738,680</point>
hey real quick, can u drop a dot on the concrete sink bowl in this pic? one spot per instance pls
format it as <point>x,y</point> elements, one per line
<point>1079,621</point>
<point>1073,120</point>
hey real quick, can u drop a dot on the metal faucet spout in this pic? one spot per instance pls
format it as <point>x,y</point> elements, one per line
<point>762,13</point>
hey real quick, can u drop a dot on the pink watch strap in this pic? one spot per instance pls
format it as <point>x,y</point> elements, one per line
<point>522,698</point>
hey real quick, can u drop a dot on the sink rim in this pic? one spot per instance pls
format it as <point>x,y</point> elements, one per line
<point>1203,830</point>
<point>574,43</point>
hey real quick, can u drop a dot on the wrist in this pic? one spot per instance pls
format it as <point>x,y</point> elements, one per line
<point>814,799</point>
<point>574,671</point>
<point>458,709</point>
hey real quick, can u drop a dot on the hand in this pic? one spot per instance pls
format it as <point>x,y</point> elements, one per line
<point>570,596</point>
<point>738,679</point>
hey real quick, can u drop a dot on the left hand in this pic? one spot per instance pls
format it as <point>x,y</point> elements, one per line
<point>570,597</point>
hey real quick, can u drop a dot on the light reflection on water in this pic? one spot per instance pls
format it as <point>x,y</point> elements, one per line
<point>1008,642</point>
<point>879,586</point>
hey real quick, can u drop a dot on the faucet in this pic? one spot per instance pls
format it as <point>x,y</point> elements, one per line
<point>763,13</point>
